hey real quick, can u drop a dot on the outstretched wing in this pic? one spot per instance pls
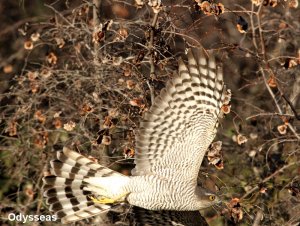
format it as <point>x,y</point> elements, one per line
<point>177,130</point>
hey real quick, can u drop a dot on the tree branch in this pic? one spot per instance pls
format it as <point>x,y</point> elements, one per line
<point>269,178</point>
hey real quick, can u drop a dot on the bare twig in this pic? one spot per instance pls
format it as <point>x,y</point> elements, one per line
<point>270,177</point>
<point>187,36</point>
<point>96,8</point>
<point>291,106</point>
<point>151,47</point>
<point>151,93</point>
<point>258,218</point>
<point>151,50</point>
<point>252,26</point>
<point>60,15</point>
<point>270,114</point>
<point>270,91</point>
<point>295,94</point>
<point>263,49</point>
<point>276,102</point>
<point>263,52</point>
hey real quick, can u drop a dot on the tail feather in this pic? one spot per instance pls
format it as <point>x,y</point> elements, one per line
<point>59,173</point>
<point>64,200</point>
<point>85,163</point>
<point>54,198</point>
<point>73,209</point>
<point>74,181</point>
<point>69,211</point>
<point>67,157</point>
<point>60,181</point>
<point>68,190</point>
<point>84,213</point>
<point>63,167</point>
<point>70,203</point>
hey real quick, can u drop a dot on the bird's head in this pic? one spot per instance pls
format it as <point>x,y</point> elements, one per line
<point>206,198</point>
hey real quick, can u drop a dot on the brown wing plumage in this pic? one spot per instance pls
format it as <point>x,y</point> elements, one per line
<point>184,114</point>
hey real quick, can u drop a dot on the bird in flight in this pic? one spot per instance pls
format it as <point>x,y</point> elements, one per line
<point>171,142</point>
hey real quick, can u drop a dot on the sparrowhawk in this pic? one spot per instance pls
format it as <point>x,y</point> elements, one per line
<point>170,145</point>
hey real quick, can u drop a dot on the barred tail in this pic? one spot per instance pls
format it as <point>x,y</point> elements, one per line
<point>75,181</point>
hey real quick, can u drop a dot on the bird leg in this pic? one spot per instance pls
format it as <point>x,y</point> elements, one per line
<point>106,200</point>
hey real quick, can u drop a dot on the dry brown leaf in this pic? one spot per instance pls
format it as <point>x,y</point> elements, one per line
<point>263,190</point>
<point>113,112</point>
<point>28,191</point>
<point>69,126</point>
<point>52,58</point>
<point>84,10</point>
<point>130,84</point>
<point>155,5</point>
<point>32,75</point>
<point>272,82</point>
<point>210,8</point>
<point>242,25</point>
<point>41,140</point>
<point>107,123</point>
<point>28,45</point>
<point>293,4</point>
<point>226,109</point>
<point>282,129</point>
<point>35,37</point>
<point>106,140</point>
<point>215,155</point>
<point>235,209</point>
<point>60,42</point>
<point>241,139</point>
<point>127,71</point>
<point>40,117</point>
<point>34,86</point>
<point>137,102</point>
<point>45,73</point>
<point>86,108</point>
<point>123,33</point>
<point>57,123</point>
<point>7,68</point>
<point>12,128</point>
<point>129,152</point>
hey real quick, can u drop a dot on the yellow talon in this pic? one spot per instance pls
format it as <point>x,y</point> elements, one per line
<point>105,200</point>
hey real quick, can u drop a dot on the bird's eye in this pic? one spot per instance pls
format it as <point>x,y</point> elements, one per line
<point>212,197</point>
